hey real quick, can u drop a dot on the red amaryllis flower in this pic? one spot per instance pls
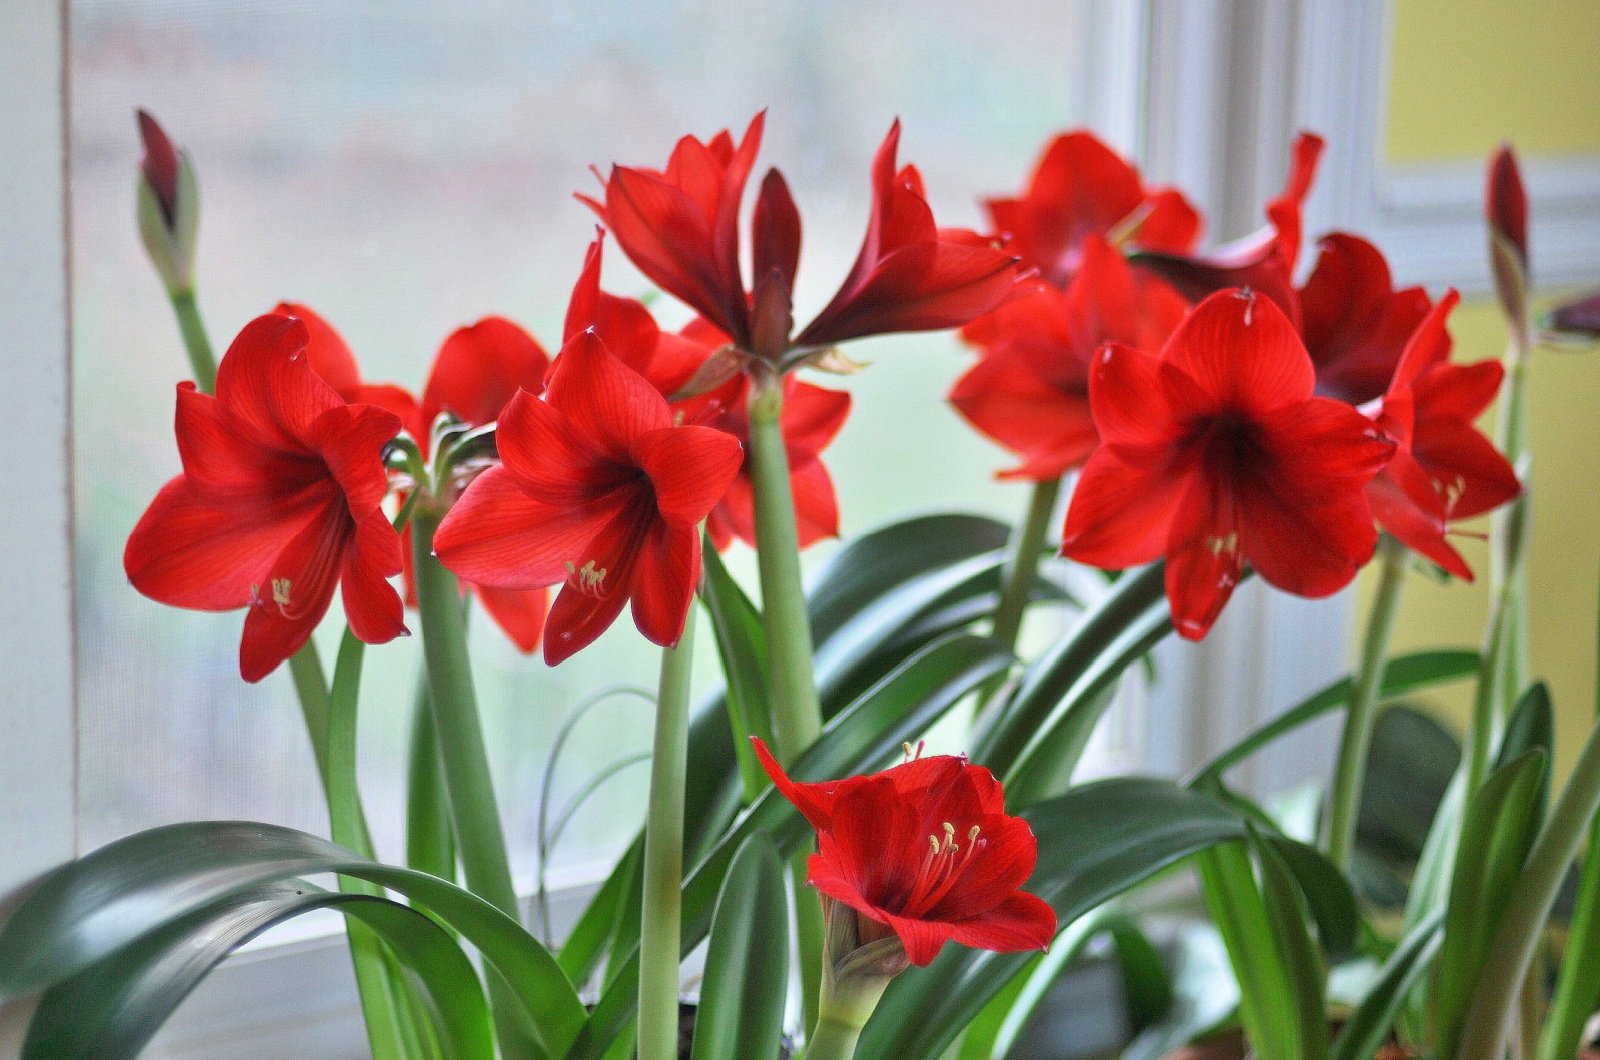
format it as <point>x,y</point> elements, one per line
<point>1353,320</point>
<point>279,502</point>
<point>1216,454</point>
<point>476,371</point>
<point>927,850</point>
<point>680,227</point>
<point>598,490</point>
<point>1444,469</point>
<point>1030,390</point>
<point>1264,261</point>
<point>1081,187</point>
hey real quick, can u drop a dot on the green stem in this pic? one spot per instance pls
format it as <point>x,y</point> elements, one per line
<point>1521,927</point>
<point>455,718</point>
<point>430,844</point>
<point>1350,770</point>
<point>660,929</point>
<point>796,711</point>
<point>468,784</point>
<point>846,1005</point>
<point>1022,564</point>
<point>195,341</point>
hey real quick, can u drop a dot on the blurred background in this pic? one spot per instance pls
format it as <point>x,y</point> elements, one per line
<point>405,167</point>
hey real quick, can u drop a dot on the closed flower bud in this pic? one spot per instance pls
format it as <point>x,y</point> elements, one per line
<point>168,207</point>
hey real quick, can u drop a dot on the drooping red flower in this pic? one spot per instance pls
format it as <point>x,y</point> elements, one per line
<point>1029,390</point>
<point>159,165</point>
<point>680,226</point>
<point>595,490</point>
<point>279,503</point>
<point>1444,469</point>
<point>1264,261</point>
<point>927,850</point>
<point>475,373</point>
<point>1080,188</point>
<point>1216,454</point>
<point>910,275</point>
<point>1353,320</point>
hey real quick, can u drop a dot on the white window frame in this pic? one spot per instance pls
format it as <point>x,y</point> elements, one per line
<point>1208,93</point>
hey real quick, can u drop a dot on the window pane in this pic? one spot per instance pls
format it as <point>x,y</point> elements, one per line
<point>406,167</point>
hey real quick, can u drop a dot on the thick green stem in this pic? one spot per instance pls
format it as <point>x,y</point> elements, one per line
<point>1022,564</point>
<point>796,712</point>
<point>660,927</point>
<point>1517,937</point>
<point>430,843</point>
<point>455,719</point>
<point>1351,767</point>
<point>195,341</point>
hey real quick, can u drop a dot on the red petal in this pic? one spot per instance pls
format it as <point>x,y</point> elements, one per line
<point>1204,559</point>
<point>665,575</point>
<point>225,468</point>
<point>495,534</point>
<point>604,398</point>
<point>1393,497</point>
<point>816,507</point>
<point>268,387</point>
<point>922,939</point>
<point>296,593</point>
<point>812,416</point>
<point>350,440</point>
<point>1465,466</point>
<point>994,872</point>
<point>1120,514</point>
<point>1026,414</point>
<point>775,230</point>
<point>1242,353</point>
<point>735,516</point>
<point>329,354</point>
<point>623,324</point>
<point>1457,391</point>
<point>814,801</point>
<point>480,368</point>
<point>1172,226</point>
<point>1429,344</point>
<point>371,605</point>
<point>690,468</point>
<point>1355,325</point>
<point>518,612</point>
<point>549,458</point>
<point>186,552</point>
<point>1022,922</point>
<point>600,580</point>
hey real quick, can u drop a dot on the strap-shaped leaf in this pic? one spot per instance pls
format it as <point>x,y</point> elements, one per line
<point>861,738</point>
<point>1368,1027</point>
<point>92,907</point>
<point>747,963</point>
<point>112,1008</point>
<point>1095,842</point>
<point>1287,914</point>
<point>742,650</point>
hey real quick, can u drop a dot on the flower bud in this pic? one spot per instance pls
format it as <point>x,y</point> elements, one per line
<point>1577,319</point>
<point>168,207</point>
<point>1506,209</point>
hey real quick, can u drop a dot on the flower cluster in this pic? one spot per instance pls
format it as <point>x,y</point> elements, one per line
<point>1269,425</point>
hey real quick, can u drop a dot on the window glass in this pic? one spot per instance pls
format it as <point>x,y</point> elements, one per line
<point>406,167</point>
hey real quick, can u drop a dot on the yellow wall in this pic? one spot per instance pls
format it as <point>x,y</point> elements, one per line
<point>1467,74</point>
<point>1470,73</point>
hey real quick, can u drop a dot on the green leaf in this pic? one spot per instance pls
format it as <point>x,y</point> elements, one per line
<point>742,649</point>
<point>1369,1026</point>
<point>1268,1006</point>
<point>866,568</point>
<point>1061,686</point>
<point>1205,996</point>
<point>1531,725</point>
<point>747,963</point>
<point>1403,674</point>
<point>1409,769</point>
<point>861,738</point>
<point>586,946</point>
<point>1095,842</point>
<point>112,1008</point>
<point>1287,912</point>
<point>1498,832</point>
<point>1577,993</point>
<point>92,907</point>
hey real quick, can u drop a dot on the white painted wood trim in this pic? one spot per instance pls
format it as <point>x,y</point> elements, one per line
<point>38,704</point>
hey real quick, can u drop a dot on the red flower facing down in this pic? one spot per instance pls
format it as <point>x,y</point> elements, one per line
<point>1444,469</point>
<point>1080,188</point>
<point>926,850</point>
<point>1030,390</point>
<point>598,491</point>
<point>1216,454</point>
<point>475,373</point>
<point>680,227</point>
<point>1353,320</point>
<point>279,503</point>
<point>1264,261</point>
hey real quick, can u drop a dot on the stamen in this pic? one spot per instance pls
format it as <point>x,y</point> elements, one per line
<point>1249,297</point>
<point>589,578</point>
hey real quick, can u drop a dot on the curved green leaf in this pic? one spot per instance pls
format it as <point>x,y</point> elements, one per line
<point>747,964</point>
<point>92,907</point>
<point>584,948</point>
<point>863,737</point>
<point>742,650</point>
<point>1369,1026</point>
<point>112,1008</point>
<point>1287,913</point>
<point>1095,842</point>
<point>1402,675</point>
<point>1409,770</point>
<point>1498,831</point>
